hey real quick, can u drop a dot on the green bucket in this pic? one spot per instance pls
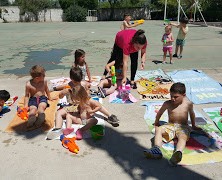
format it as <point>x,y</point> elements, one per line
<point>97,132</point>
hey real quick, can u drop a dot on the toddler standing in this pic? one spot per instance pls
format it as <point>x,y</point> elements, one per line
<point>167,40</point>
<point>180,41</point>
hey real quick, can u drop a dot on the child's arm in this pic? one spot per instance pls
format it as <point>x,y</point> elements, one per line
<point>47,91</point>
<point>27,92</point>
<point>63,93</point>
<point>183,30</point>
<point>159,114</point>
<point>192,117</point>
<point>129,25</point>
<point>88,72</point>
<point>109,65</point>
<point>163,38</point>
<point>171,38</point>
<point>174,24</point>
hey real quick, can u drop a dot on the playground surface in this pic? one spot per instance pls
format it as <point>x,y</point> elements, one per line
<point>119,155</point>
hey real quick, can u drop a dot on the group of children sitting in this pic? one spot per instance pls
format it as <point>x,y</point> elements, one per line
<point>82,107</point>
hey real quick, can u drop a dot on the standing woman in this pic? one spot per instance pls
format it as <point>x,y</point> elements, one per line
<point>127,44</point>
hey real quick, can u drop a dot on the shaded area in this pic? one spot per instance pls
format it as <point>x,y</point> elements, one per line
<point>127,153</point>
<point>48,59</point>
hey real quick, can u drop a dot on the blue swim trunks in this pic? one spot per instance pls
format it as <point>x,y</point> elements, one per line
<point>35,101</point>
<point>180,42</point>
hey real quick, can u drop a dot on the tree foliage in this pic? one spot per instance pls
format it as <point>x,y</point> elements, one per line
<point>4,2</point>
<point>88,4</point>
<point>34,6</point>
<point>75,13</point>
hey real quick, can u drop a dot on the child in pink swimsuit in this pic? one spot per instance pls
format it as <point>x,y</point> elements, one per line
<point>167,40</point>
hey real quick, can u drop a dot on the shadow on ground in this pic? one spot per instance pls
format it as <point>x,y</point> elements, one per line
<point>48,59</point>
<point>128,155</point>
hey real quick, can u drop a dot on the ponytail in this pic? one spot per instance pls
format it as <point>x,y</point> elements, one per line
<point>139,37</point>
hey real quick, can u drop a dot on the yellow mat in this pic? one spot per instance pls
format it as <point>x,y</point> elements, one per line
<point>19,125</point>
<point>201,158</point>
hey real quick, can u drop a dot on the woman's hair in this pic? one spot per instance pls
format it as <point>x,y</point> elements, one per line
<point>79,95</point>
<point>139,37</point>
<point>37,71</point>
<point>78,54</point>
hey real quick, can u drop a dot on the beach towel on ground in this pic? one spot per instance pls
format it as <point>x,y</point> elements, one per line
<point>215,114</point>
<point>19,125</point>
<point>114,98</point>
<point>153,85</point>
<point>201,147</point>
<point>65,80</point>
<point>200,88</point>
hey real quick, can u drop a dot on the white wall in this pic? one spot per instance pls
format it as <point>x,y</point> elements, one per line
<point>50,15</point>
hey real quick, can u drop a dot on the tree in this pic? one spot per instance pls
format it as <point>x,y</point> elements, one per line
<point>65,4</point>
<point>88,4</point>
<point>4,3</point>
<point>118,3</point>
<point>34,6</point>
<point>75,13</point>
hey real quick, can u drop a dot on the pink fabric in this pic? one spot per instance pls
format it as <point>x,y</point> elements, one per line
<point>114,95</point>
<point>79,134</point>
<point>168,48</point>
<point>123,40</point>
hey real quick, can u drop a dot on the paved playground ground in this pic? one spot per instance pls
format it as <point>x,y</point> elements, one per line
<point>119,155</point>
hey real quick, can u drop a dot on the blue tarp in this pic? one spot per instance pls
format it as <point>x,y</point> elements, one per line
<point>200,88</point>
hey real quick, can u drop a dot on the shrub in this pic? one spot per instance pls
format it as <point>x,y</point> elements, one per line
<point>75,14</point>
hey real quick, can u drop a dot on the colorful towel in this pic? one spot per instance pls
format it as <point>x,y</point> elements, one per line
<point>19,125</point>
<point>66,80</point>
<point>201,147</point>
<point>215,114</point>
<point>153,85</point>
<point>200,88</point>
<point>114,98</point>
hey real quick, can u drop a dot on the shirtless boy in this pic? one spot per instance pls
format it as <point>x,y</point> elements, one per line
<point>35,99</point>
<point>178,109</point>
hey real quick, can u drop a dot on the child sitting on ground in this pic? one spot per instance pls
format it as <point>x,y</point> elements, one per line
<point>87,107</point>
<point>167,40</point>
<point>4,96</point>
<point>106,87</point>
<point>35,99</point>
<point>178,109</point>
<point>81,64</point>
<point>75,76</point>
